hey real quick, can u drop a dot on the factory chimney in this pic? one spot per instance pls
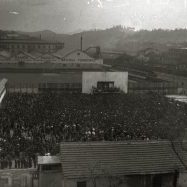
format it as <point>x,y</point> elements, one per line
<point>98,52</point>
<point>81,42</point>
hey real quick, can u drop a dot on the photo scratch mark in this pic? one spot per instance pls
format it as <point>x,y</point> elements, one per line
<point>14,12</point>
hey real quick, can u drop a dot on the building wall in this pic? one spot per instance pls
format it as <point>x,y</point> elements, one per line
<point>27,178</point>
<point>90,79</point>
<point>126,181</point>
<point>31,82</point>
<point>50,179</point>
<point>100,182</point>
<point>15,46</point>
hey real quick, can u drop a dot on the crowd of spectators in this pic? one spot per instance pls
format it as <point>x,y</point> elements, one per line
<point>35,124</point>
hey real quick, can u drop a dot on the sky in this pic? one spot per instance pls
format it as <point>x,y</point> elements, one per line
<point>65,16</point>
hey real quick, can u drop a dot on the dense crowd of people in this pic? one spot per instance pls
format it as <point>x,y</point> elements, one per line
<point>35,124</point>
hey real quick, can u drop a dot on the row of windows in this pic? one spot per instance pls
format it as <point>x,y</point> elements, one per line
<point>60,85</point>
<point>20,46</point>
<point>81,60</point>
<point>22,62</point>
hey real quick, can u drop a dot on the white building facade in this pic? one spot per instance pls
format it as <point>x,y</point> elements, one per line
<point>91,79</point>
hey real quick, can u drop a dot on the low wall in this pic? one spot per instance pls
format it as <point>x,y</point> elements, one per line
<point>182,180</point>
<point>19,178</point>
<point>50,179</point>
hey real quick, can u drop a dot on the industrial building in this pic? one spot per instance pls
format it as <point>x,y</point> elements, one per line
<point>51,72</point>
<point>14,45</point>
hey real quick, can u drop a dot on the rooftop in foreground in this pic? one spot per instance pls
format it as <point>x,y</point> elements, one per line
<point>125,158</point>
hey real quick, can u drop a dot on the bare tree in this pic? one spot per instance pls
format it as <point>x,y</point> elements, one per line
<point>94,167</point>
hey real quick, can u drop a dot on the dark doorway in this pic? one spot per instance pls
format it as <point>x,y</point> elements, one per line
<point>157,181</point>
<point>81,184</point>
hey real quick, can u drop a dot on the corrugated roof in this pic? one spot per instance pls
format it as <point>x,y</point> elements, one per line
<point>119,158</point>
<point>25,53</point>
<point>77,50</point>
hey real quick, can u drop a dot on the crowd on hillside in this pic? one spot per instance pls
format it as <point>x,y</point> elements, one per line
<point>35,124</point>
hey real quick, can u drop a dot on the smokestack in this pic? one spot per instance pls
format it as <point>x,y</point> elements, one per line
<point>185,139</point>
<point>185,135</point>
<point>81,42</point>
<point>40,37</point>
<point>98,52</point>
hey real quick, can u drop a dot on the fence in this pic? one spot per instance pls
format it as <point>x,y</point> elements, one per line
<point>22,87</point>
<point>159,87</point>
<point>42,87</point>
<point>165,88</point>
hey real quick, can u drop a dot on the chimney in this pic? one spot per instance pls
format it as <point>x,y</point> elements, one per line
<point>185,135</point>
<point>81,42</point>
<point>40,37</point>
<point>184,141</point>
<point>98,52</point>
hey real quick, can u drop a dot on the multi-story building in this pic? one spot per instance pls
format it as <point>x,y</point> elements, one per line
<point>15,45</point>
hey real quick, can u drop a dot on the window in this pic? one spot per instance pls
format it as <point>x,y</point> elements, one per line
<point>105,85</point>
<point>51,167</point>
<point>81,184</point>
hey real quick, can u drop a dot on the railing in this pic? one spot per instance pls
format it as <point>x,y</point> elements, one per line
<point>105,90</point>
<point>160,87</point>
<point>17,164</point>
<point>43,87</point>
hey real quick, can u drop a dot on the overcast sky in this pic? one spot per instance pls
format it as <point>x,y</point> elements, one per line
<point>64,16</point>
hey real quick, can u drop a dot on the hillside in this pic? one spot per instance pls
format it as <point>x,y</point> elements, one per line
<point>46,35</point>
<point>106,39</point>
<point>118,38</point>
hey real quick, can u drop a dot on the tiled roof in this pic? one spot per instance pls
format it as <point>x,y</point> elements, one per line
<point>120,158</point>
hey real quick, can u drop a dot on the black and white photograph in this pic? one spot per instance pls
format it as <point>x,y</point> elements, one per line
<point>93,93</point>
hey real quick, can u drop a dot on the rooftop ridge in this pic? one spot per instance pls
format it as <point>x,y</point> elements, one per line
<point>123,142</point>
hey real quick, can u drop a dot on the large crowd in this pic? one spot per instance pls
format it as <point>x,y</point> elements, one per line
<point>35,124</point>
